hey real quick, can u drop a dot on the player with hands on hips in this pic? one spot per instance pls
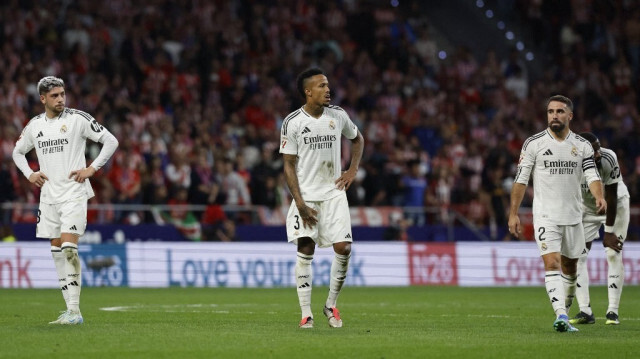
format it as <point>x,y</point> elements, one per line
<point>59,137</point>
<point>319,213</point>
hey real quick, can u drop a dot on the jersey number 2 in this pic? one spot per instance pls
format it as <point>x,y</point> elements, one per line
<point>541,230</point>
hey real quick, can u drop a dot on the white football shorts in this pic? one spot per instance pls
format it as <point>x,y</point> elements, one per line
<point>334,222</point>
<point>568,240</point>
<point>592,222</point>
<point>67,217</point>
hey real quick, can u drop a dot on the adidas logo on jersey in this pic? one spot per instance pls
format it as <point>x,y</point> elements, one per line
<point>73,228</point>
<point>306,130</point>
<point>305,285</point>
<point>39,134</point>
<point>348,236</point>
<point>548,153</point>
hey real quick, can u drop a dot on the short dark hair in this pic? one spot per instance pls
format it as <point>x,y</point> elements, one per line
<point>303,76</point>
<point>589,137</point>
<point>47,84</point>
<point>564,99</point>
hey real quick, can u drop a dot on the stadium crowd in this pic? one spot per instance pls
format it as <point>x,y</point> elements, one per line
<point>196,91</point>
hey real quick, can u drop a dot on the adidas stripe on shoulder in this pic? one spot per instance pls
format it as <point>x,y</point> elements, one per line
<point>609,158</point>
<point>532,139</point>
<point>35,118</point>
<point>32,120</point>
<point>73,111</point>
<point>580,138</point>
<point>285,123</point>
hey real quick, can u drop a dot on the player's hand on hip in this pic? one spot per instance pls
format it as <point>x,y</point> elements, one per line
<point>601,205</point>
<point>309,216</point>
<point>514,226</point>
<point>38,178</point>
<point>345,180</point>
<point>611,241</point>
<point>81,175</point>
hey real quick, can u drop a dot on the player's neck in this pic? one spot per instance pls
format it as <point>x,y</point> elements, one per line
<point>560,136</point>
<point>51,115</point>
<point>313,110</point>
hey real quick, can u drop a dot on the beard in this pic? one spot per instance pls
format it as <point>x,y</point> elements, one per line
<point>54,109</point>
<point>557,127</point>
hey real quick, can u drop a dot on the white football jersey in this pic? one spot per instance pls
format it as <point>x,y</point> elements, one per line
<point>317,142</point>
<point>60,146</point>
<point>557,168</point>
<point>609,170</point>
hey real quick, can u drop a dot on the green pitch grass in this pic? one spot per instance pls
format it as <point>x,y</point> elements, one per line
<point>408,322</point>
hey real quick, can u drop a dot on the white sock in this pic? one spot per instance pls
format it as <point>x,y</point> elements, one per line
<point>339,268</point>
<point>615,279</point>
<point>582,286</point>
<point>74,279</point>
<point>58,260</point>
<point>569,283</point>
<point>555,290</point>
<point>304,280</point>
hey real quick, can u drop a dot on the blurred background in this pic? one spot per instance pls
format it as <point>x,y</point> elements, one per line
<point>444,92</point>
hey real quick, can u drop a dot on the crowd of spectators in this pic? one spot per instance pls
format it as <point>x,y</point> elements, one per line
<point>196,91</point>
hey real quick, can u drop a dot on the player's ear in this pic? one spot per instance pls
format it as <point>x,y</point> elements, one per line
<point>42,99</point>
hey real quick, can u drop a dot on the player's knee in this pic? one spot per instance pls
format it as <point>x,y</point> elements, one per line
<point>306,245</point>
<point>343,248</point>
<point>551,262</point>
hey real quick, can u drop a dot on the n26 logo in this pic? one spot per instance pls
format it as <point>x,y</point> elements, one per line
<point>432,264</point>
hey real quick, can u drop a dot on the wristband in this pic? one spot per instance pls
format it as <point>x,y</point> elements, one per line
<point>608,229</point>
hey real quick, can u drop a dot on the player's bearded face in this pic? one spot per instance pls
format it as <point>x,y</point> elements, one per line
<point>558,116</point>
<point>54,100</point>
<point>557,126</point>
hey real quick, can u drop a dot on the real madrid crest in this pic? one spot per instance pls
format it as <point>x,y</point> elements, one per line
<point>574,151</point>
<point>332,125</point>
<point>544,246</point>
<point>63,129</point>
